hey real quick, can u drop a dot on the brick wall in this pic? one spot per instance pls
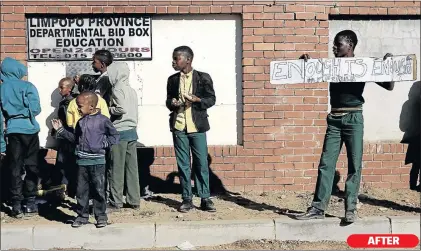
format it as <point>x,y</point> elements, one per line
<point>283,125</point>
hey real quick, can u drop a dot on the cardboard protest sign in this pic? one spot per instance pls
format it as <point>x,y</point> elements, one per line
<point>365,69</point>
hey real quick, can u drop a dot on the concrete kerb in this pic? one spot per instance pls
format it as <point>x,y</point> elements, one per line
<point>405,225</point>
<point>329,229</point>
<point>115,236</point>
<point>17,237</point>
<point>209,233</point>
<point>198,233</point>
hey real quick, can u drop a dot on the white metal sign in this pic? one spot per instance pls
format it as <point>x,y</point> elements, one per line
<point>396,68</point>
<point>78,37</point>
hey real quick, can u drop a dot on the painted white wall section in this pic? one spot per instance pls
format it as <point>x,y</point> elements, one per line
<point>216,42</point>
<point>45,76</point>
<point>384,111</point>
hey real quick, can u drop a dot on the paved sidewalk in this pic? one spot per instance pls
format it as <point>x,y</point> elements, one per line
<point>198,233</point>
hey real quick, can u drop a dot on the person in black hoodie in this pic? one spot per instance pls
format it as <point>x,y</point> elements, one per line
<point>100,61</point>
<point>64,172</point>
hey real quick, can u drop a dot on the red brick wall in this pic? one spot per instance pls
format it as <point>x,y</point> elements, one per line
<point>283,125</point>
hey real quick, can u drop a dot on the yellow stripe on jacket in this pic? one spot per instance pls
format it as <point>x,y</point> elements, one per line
<point>73,116</point>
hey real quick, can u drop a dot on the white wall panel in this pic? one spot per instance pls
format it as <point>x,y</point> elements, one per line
<point>45,76</point>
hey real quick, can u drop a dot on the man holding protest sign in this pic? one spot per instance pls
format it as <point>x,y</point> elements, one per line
<point>345,124</point>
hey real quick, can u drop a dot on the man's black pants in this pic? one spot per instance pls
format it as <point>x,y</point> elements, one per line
<point>91,181</point>
<point>22,153</point>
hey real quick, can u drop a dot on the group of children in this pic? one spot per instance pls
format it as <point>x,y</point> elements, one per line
<point>95,130</point>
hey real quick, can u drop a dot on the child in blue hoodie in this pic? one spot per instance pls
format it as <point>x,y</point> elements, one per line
<point>20,105</point>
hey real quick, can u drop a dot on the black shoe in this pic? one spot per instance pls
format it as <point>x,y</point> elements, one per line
<point>31,211</point>
<point>79,222</point>
<point>311,214</point>
<point>186,206</point>
<point>350,216</point>
<point>207,205</point>
<point>101,223</point>
<point>31,208</point>
<point>17,212</point>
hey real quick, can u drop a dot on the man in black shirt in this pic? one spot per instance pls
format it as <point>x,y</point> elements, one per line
<point>100,61</point>
<point>345,124</point>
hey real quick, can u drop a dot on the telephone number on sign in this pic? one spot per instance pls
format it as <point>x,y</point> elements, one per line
<point>81,55</point>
